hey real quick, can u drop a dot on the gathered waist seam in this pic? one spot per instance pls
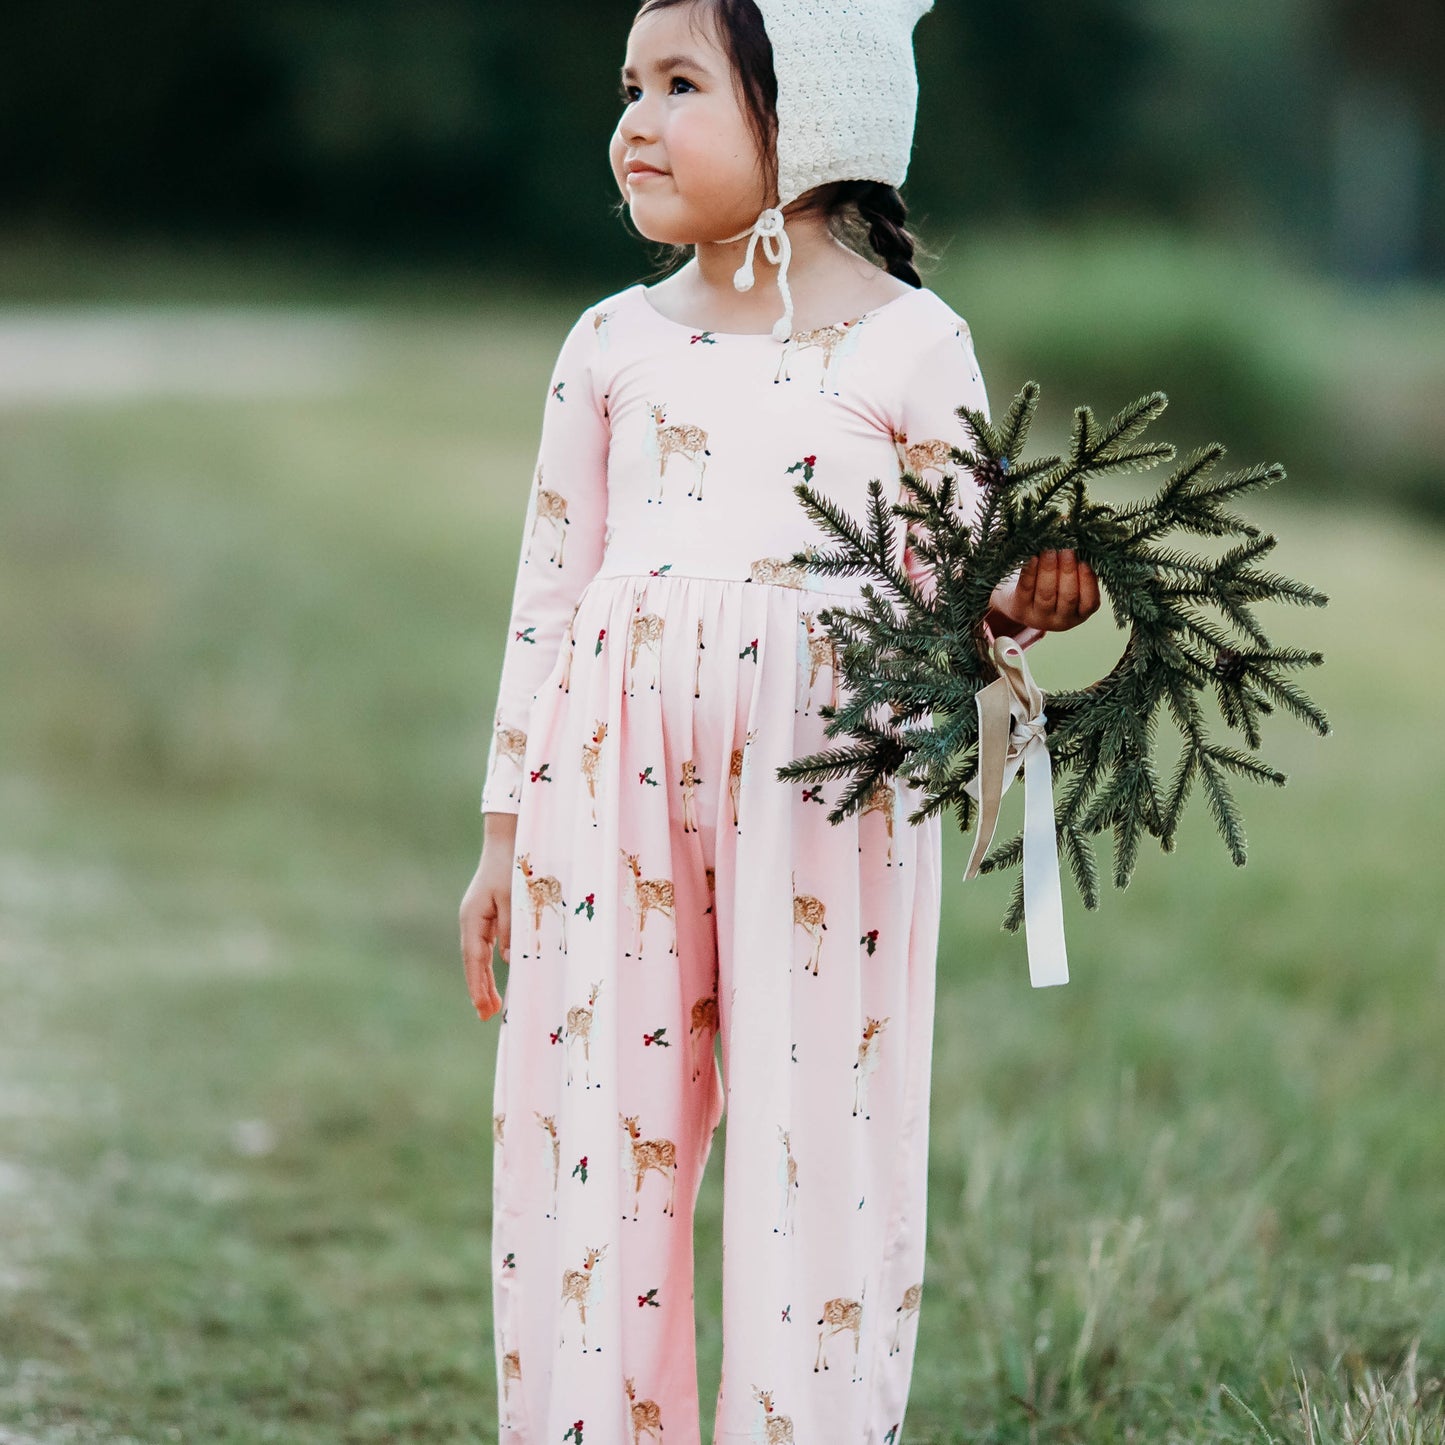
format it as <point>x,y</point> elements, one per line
<point>735,581</point>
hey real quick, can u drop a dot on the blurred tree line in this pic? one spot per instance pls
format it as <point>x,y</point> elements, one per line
<point>477,129</point>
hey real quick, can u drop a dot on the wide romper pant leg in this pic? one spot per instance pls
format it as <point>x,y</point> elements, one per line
<point>828,940</point>
<point>607,1090</point>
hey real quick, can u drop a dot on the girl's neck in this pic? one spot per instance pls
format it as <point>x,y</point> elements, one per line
<point>823,274</point>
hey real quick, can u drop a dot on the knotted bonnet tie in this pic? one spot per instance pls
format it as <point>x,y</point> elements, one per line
<point>769,229</point>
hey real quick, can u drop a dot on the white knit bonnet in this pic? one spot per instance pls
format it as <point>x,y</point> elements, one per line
<point>847,97</point>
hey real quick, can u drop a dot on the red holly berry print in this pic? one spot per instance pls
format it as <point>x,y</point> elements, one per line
<point>870,941</point>
<point>656,1037</point>
<point>539,775</point>
<point>589,903</point>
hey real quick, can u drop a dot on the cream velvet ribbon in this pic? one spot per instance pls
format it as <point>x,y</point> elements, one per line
<point>1011,733</point>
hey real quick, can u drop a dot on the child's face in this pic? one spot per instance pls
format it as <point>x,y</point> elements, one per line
<point>687,119</point>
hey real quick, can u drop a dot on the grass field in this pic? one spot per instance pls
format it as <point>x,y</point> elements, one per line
<point>251,615</point>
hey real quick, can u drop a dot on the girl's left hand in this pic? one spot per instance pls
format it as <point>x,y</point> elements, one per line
<point>1054,592</point>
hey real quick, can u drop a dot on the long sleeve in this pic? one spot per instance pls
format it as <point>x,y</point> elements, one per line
<point>563,538</point>
<point>944,376</point>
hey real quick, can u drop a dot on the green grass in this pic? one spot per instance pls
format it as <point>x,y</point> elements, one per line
<point>248,652</point>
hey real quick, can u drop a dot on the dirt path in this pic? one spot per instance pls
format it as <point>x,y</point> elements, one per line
<point>68,355</point>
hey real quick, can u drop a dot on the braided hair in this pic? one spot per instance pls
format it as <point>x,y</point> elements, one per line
<point>873,213</point>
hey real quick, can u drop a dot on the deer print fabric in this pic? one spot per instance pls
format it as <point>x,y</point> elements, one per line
<point>691,939</point>
<point>666,451</point>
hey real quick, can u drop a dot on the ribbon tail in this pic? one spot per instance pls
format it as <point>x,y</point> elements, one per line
<point>995,720</point>
<point>1043,897</point>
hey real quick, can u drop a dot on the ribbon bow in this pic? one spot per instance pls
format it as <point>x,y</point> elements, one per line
<point>1012,733</point>
<point>778,248</point>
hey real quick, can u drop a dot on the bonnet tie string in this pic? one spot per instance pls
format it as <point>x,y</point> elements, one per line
<point>778,248</point>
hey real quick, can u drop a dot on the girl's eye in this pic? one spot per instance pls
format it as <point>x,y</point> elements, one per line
<point>625,92</point>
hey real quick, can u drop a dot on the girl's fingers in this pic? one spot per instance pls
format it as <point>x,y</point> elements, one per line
<point>487,999</point>
<point>1024,587</point>
<point>1066,604</point>
<point>1046,587</point>
<point>1088,590</point>
<point>481,930</point>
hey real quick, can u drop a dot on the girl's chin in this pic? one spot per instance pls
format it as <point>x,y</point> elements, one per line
<point>653,228</point>
<point>661,230</point>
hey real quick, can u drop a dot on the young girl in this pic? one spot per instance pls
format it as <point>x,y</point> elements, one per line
<point>664,658</point>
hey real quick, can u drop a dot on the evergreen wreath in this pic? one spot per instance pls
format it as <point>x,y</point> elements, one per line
<point>927,660</point>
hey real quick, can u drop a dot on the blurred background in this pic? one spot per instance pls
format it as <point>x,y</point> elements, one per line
<point>280,289</point>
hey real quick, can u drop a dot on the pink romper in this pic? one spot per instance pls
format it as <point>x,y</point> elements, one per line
<point>664,658</point>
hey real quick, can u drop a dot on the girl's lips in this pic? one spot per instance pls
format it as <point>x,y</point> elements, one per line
<point>644,175</point>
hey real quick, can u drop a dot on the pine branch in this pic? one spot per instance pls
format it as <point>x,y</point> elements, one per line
<point>918,662</point>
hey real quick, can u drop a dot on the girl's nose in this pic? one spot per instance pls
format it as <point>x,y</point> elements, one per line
<point>637,124</point>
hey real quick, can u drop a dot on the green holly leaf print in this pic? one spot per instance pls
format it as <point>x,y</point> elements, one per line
<point>870,940</point>
<point>589,903</point>
<point>525,635</point>
<point>580,1167</point>
<point>650,1298</point>
<point>814,795</point>
<point>509,1260</point>
<point>656,1037</point>
<point>557,391</point>
<point>806,466</point>
<point>539,775</point>
<point>574,1432</point>
<point>661,571</point>
<point>706,337</point>
<point>597,649</point>
<point>645,776</point>
<point>750,649</point>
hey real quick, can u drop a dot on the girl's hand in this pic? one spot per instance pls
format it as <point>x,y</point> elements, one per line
<point>486,917</point>
<point>1053,592</point>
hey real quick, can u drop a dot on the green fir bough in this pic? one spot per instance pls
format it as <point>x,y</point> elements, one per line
<point>910,664</point>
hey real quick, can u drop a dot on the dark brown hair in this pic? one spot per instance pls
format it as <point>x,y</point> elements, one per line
<point>858,213</point>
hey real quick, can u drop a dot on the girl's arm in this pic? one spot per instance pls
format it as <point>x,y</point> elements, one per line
<point>561,548</point>
<point>1049,593</point>
<point>944,376</point>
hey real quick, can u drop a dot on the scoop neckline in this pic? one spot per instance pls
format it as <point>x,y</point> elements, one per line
<point>641,291</point>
